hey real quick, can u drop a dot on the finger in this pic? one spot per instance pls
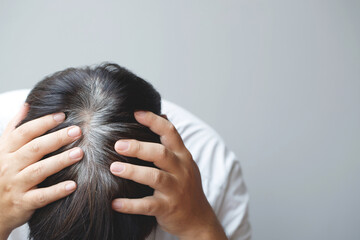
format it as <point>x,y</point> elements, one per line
<point>169,136</point>
<point>150,206</point>
<point>41,197</point>
<point>164,116</point>
<point>17,118</point>
<point>39,171</point>
<point>39,147</point>
<point>153,177</point>
<point>148,151</point>
<point>32,129</point>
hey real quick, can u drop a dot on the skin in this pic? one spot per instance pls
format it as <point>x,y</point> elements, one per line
<point>21,171</point>
<point>179,203</point>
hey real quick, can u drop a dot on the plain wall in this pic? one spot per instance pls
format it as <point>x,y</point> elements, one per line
<point>279,80</point>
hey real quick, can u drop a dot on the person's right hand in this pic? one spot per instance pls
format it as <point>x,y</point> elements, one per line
<point>21,171</point>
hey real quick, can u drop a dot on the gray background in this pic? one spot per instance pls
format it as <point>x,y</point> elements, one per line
<point>279,80</point>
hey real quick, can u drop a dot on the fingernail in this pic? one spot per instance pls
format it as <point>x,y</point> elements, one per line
<point>59,117</point>
<point>76,154</point>
<point>74,132</point>
<point>117,204</point>
<point>70,186</point>
<point>122,145</point>
<point>117,167</point>
<point>140,113</point>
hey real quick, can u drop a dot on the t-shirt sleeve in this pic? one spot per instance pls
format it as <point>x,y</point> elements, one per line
<point>233,204</point>
<point>10,103</point>
<point>223,184</point>
<point>221,173</point>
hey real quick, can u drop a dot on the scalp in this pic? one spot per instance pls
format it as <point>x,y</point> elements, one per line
<point>101,101</point>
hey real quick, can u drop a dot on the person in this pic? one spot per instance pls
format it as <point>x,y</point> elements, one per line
<point>101,101</point>
<point>179,203</point>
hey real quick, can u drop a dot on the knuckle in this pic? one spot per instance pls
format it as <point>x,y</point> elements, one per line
<point>187,175</point>
<point>62,159</point>
<point>163,152</point>
<point>4,169</point>
<point>35,147</point>
<point>128,171</point>
<point>40,199</point>
<point>173,207</point>
<point>23,131</point>
<point>171,128</point>
<point>125,206</point>
<point>8,187</point>
<point>151,118</point>
<point>2,145</point>
<point>149,208</point>
<point>135,146</point>
<point>58,191</point>
<point>157,177</point>
<point>59,138</point>
<point>37,169</point>
<point>17,202</point>
<point>188,155</point>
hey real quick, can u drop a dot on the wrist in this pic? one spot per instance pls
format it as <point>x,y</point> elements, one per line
<point>209,229</point>
<point>4,233</point>
<point>213,232</point>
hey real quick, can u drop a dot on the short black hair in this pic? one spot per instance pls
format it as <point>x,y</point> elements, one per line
<point>101,100</point>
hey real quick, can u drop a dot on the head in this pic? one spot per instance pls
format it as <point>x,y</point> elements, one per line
<point>100,100</point>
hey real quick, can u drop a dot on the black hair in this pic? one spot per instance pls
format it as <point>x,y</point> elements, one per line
<point>101,100</point>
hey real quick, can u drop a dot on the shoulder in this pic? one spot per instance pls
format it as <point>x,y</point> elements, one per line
<point>220,170</point>
<point>10,103</point>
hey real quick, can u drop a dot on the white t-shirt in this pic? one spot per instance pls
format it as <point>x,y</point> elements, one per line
<point>221,174</point>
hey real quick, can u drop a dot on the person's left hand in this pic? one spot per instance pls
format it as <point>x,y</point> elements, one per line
<point>178,203</point>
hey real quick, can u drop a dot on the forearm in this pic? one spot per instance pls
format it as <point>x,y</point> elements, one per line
<point>211,230</point>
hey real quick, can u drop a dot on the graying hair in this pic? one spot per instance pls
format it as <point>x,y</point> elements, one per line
<point>101,101</point>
